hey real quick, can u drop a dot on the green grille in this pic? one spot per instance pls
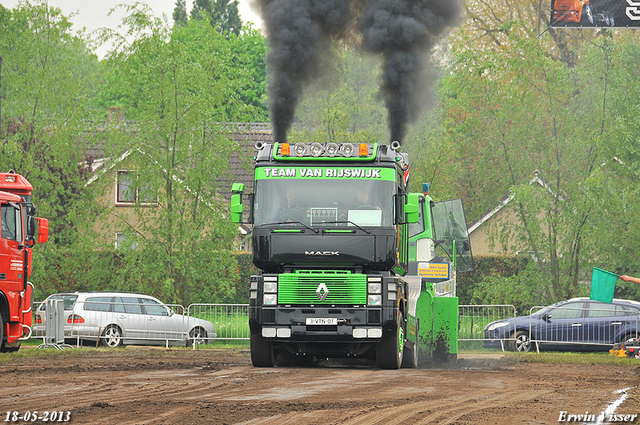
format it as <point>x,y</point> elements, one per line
<point>300,287</point>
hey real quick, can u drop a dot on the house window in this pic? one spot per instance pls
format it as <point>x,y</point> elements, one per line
<point>129,190</point>
<point>126,240</point>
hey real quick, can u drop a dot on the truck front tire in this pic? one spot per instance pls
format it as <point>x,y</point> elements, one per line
<point>389,350</point>
<point>262,352</point>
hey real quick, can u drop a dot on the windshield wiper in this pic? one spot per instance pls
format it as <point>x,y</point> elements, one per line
<point>367,231</point>
<point>292,222</point>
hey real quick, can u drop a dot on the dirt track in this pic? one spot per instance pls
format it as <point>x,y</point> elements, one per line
<point>139,385</point>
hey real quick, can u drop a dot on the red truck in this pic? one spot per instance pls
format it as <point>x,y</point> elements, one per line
<point>17,217</point>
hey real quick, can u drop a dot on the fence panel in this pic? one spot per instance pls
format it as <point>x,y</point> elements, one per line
<point>594,325</point>
<point>231,321</point>
<point>474,318</point>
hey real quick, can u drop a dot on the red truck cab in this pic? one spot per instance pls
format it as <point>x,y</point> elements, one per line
<point>17,237</point>
<point>578,11</point>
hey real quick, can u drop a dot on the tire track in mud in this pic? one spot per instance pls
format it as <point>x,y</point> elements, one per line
<point>448,411</point>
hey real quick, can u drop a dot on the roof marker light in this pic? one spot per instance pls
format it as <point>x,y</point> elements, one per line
<point>285,150</point>
<point>363,150</point>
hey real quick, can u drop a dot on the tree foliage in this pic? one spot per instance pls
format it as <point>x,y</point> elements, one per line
<point>47,80</point>
<point>507,113</point>
<point>178,84</point>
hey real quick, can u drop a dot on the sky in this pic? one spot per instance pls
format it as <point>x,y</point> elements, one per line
<point>93,14</point>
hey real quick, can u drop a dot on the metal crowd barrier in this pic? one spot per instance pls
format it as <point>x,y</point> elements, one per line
<point>231,321</point>
<point>135,323</point>
<point>472,319</point>
<point>603,326</point>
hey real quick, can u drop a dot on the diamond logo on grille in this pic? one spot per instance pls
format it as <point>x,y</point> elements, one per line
<point>322,292</point>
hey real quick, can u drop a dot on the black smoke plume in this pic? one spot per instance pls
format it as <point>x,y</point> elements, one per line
<point>298,31</point>
<point>402,31</point>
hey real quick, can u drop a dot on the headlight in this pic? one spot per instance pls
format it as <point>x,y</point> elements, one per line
<point>316,149</point>
<point>331,149</point>
<point>270,299</point>
<point>494,326</point>
<point>270,287</point>
<point>374,300</point>
<point>300,149</point>
<point>375,287</point>
<point>347,149</point>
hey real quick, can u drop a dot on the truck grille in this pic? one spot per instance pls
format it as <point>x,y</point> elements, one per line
<point>342,288</point>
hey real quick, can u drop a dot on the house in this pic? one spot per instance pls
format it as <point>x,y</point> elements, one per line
<point>129,202</point>
<point>480,230</point>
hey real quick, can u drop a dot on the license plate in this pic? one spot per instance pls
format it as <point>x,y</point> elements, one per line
<point>322,321</point>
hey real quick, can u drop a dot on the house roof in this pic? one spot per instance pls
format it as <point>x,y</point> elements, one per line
<point>246,135</point>
<point>241,161</point>
<point>504,201</point>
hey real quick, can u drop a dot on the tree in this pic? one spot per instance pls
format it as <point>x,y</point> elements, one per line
<point>180,13</point>
<point>508,112</point>
<point>222,14</point>
<point>48,77</point>
<point>178,84</point>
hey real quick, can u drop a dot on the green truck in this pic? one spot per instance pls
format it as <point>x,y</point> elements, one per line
<point>335,234</point>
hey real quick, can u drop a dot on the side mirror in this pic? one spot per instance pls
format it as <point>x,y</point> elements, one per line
<point>236,203</point>
<point>411,208</point>
<point>31,226</point>
<point>43,230</point>
<point>236,208</point>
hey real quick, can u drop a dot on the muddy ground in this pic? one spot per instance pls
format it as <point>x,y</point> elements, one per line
<point>141,385</point>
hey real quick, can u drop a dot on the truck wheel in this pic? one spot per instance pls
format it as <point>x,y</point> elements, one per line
<point>6,348</point>
<point>410,357</point>
<point>389,351</point>
<point>587,15</point>
<point>261,352</point>
<point>1,331</point>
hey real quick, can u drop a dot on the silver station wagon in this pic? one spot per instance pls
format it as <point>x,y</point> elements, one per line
<point>116,318</point>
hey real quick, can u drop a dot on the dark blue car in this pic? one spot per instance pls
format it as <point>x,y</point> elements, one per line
<point>578,324</point>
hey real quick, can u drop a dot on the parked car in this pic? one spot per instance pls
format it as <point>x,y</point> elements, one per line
<point>40,316</point>
<point>578,324</point>
<point>123,318</point>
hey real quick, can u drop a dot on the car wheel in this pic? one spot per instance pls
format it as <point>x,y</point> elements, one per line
<point>197,334</point>
<point>522,342</point>
<point>390,349</point>
<point>628,337</point>
<point>112,337</point>
<point>587,15</point>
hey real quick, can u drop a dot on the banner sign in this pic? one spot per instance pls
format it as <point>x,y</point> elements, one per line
<point>344,173</point>
<point>595,13</point>
<point>434,270</point>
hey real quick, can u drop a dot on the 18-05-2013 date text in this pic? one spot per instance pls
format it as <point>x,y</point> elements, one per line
<point>35,416</point>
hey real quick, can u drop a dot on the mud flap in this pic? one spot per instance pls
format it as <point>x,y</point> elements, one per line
<point>438,332</point>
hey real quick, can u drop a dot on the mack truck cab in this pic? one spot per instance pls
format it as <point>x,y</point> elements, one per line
<point>20,231</point>
<point>331,238</point>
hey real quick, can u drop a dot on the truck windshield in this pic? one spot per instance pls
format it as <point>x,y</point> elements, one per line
<point>11,222</point>
<point>337,202</point>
